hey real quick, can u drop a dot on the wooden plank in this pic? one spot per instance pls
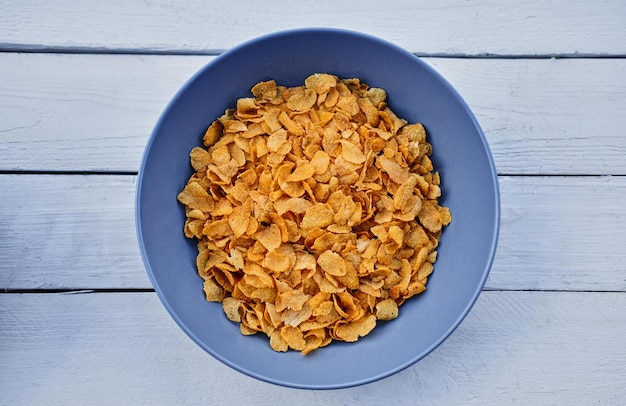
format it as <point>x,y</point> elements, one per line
<point>514,347</point>
<point>95,112</point>
<point>562,233</point>
<point>79,112</point>
<point>545,117</point>
<point>69,231</point>
<point>77,232</point>
<point>452,27</point>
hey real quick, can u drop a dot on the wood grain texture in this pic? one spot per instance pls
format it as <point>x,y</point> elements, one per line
<point>562,233</point>
<point>85,112</point>
<point>123,348</point>
<point>95,112</point>
<point>69,231</point>
<point>77,232</point>
<point>453,27</point>
<point>547,117</point>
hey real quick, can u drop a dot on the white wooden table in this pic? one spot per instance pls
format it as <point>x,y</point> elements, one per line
<point>82,85</point>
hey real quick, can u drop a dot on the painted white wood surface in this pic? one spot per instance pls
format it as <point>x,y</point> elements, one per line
<point>82,84</point>
<point>123,349</point>
<point>65,112</point>
<point>443,27</point>
<point>78,232</point>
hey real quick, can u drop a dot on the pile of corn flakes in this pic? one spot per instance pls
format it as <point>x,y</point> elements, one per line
<point>316,211</point>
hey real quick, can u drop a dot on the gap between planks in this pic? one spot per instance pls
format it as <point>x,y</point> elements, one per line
<point>78,291</point>
<point>36,49</point>
<point>135,173</point>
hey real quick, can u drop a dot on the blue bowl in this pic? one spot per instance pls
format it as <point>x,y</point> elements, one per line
<point>416,93</point>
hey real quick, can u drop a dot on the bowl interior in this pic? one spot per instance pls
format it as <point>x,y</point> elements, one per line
<point>416,93</point>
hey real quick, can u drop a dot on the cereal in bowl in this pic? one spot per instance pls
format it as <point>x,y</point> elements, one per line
<point>316,211</point>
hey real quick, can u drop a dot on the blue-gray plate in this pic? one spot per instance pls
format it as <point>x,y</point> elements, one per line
<point>417,93</point>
